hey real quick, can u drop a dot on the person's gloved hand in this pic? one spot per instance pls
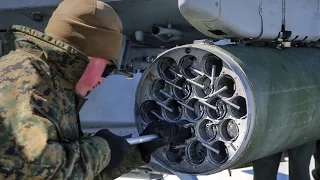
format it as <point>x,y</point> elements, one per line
<point>181,136</point>
<point>168,133</point>
<point>119,147</point>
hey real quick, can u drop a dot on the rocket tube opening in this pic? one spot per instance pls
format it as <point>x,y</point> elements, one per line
<point>151,111</point>
<point>174,156</point>
<point>206,130</point>
<point>203,92</point>
<point>220,111</point>
<point>160,90</point>
<point>209,61</point>
<point>164,69</point>
<point>223,154</point>
<point>241,102</point>
<point>197,112</point>
<point>176,111</point>
<point>228,81</point>
<point>196,153</point>
<point>228,130</point>
<point>155,30</point>
<point>185,89</point>
<point>186,64</point>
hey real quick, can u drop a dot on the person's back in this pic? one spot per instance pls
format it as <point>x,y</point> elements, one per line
<point>32,91</point>
<point>37,114</point>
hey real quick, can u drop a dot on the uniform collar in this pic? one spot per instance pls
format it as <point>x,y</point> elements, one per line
<point>66,60</point>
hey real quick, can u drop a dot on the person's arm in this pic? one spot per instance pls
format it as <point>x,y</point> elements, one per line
<point>140,155</point>
<point>27,150</point>
<point>131,161</point>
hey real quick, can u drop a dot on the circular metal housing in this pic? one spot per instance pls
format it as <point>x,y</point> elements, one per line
<point>243,103</point>
<point>189,87</point>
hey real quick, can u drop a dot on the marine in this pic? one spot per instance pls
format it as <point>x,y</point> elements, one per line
<point>41,76</point>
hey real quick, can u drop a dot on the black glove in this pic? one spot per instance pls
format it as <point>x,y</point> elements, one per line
<point>168,133</point>
<point>181,136</point>
<point>119,147</point>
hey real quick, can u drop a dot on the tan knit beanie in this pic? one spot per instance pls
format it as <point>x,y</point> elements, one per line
<point>91,26</point>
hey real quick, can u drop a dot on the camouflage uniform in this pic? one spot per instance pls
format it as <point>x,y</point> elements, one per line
<point>39,134</point>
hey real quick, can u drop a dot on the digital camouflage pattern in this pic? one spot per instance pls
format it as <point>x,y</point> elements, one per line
<point>39,133</point>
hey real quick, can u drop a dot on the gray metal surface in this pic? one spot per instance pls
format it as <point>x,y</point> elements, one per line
<point>270,103</point>
<point>136,15</point>
<point>142,139</point>
<point>17,4</point>
<point>138,59</point>
<point>135,55</point>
